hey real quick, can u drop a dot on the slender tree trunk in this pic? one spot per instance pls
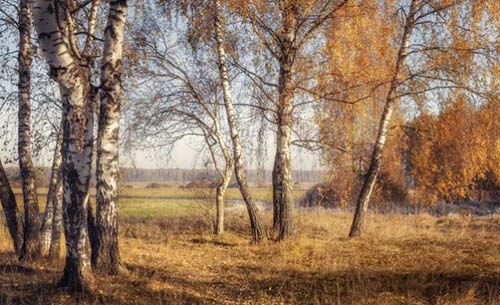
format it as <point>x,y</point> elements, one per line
<point>390,102</point>
<point>106,258</point>
<point>282,170</point>
<point>9,206</point>
<point>51,204</point>
<point>219,202</point>
<point>220,192</point>
<point>239,169</point>
<point>276,203</point>
<point>57,221</point>
<point>31,242</point>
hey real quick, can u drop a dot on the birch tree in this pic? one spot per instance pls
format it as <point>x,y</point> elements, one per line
<point>284,29</point>
<point>372,172</point>
<point>57,219</point>
<point>71,62</point>
<point>419,67</point>
<point>78,97</point>
<point>239,169</point>
<point>31,241</point>
<point>34,94</point>
<point>180,100</point>
<point>105,256</point>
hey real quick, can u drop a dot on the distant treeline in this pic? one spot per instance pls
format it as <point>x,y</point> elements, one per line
<point>186,175</point>
<point>181,175</point>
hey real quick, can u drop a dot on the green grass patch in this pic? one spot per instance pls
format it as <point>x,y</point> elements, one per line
<point>171,201</point>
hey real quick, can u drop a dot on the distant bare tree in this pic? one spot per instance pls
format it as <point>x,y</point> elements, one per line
<point>181,99</point>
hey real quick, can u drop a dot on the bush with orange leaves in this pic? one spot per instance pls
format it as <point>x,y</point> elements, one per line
<point>455,155</point>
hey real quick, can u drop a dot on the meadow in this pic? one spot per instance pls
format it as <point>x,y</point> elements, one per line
<point>170,257</point>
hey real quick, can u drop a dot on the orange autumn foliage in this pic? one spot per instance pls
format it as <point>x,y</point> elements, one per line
<point>455,155</point>
<point>361,54</point>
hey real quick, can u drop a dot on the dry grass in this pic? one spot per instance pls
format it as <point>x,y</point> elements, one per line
<point>415,259</point>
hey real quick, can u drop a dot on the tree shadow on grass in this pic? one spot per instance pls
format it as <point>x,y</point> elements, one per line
<point>24,284</point>
<point>252,284</point>
<point>349,286</point>
<point>248,284</point>
<point>201,240</point>
<point>21,285</point>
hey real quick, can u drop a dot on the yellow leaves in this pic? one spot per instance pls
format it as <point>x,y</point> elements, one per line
<point>360,49</point>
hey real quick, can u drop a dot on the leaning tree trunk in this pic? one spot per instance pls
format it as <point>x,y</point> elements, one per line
<point>376,158</point>
<point>106,257</point>
<point>77,97</point>
<point>282,170</point>
<point>31,242</point>
<point>256,227</point>
<point>9,206</point>
<point>51,204</point>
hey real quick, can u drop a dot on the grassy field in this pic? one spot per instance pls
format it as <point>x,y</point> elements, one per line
<point>172,258</point>
<point>140,201</point>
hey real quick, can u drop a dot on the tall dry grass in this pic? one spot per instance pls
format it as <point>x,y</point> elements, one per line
<point>402,259</point>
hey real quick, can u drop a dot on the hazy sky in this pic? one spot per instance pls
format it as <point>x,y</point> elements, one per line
<point>187,153</point>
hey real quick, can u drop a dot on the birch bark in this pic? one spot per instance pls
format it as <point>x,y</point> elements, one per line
<point>219,200</point>
<point>51,203</point>
<point>225,175</point>
<point>77,163</point>
<point>239,169</point>
<point>282,176</point>
<point>77,99</point>
<point>31,241</point>
<point>390,102</point>
<point>105,257</point>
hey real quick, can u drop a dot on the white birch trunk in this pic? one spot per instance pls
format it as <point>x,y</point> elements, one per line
<point>51,204</point>
<point>220,193</point>
<point>77,98</point>
<point>282,170</point>
<point>224,176</point>
<point>105,256</point>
